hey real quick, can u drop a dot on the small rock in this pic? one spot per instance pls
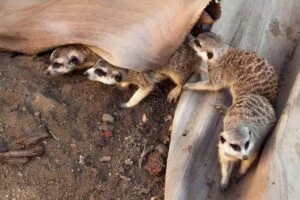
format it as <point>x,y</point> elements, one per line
<point>23,109</point>
<point>99,141</point>
<point>155,164</point>
<point>169,117</point>
<point>37,114</point>
<point>144,118</point>
<point>108,118</point>
<point>1,130</point>
<point>121,169</point>
<point>128,162</point>
<point>81,159</point>
<point>105,159</point>
<point>162,150</point>
<point>107,134</point>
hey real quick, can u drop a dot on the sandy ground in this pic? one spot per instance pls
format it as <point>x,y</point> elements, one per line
<point>71,107</point>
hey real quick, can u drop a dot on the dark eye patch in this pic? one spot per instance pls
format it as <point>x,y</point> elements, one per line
<point>210,55</point>
<point>222,139</point>
<point>247,144</point>
<point>74,60</point>
<point>197,43</point>
<point>56,65</point>
<point>99,72</point>
<point>235,147</point>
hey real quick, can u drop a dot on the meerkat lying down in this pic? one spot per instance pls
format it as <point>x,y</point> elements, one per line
<point>181,66</point>
<point>246,125</point>
<point>64,59</point>
<point>241,71</point>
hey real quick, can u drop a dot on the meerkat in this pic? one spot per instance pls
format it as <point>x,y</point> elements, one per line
<point>180,67</point>
<point>241,71</point>
<point>246,125</point>
<point>65,59</point>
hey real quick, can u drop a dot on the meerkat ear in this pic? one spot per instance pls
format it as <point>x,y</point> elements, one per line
<point>210,55</point>
<point>74,60</point>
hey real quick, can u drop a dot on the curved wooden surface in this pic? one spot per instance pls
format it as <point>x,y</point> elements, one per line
<point>133,34</point>
<point>271,28</point>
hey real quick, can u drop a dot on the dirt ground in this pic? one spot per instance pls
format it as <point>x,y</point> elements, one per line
<point>78,162</point>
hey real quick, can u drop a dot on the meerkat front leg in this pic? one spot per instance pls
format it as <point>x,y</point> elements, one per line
<point>246,164</point>
<point>175,92</point>
<point>137,97</point>
<point>226,169</point>
<point>202,85</point>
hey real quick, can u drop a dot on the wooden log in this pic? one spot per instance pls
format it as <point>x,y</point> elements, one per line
<point>134,34</point>
<point>271,28</point>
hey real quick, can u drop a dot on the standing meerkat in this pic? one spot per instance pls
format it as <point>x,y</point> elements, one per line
<point>241,71</point>
<point>246,125</point>
<point>64,59</point>
<point>180,67</point>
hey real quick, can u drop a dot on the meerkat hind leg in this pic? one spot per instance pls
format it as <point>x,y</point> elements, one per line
<point>138,96</point>
<point>202,85</point>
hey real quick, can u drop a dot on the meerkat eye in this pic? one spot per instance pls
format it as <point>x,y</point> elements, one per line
<point>197,43</point>
<point>99,72</point>
<point>235,147</point>
<point>74,60</point>
<point>222,139</point>
<point>118,78</point>
<point>247,144</point>
<point>210,55</point>
<point>56,65</point>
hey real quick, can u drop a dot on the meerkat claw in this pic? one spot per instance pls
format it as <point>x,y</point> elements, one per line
<point>174,94</point>
<point>123,105</point>
<point>223,187</point>
<point>221,108</point>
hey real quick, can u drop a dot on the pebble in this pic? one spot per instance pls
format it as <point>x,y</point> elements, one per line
<point>144,118</point>
<point>37,114</point>
<point>169,117</point>
<point>105,159</point>
<point>128,162</point>
<point>81,159</point>
<point>121,169</point>
<point>107,134</point>
<point>108,118</point>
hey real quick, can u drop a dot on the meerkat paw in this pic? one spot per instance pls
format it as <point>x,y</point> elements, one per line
<point>174,94</point>
<point>223,187</point>
<point>124,105</point>
<point>221,108</point>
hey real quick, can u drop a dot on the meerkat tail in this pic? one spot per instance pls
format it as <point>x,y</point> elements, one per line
<point>138,96</point>
<point>200,86</point>
<point>246,164</point>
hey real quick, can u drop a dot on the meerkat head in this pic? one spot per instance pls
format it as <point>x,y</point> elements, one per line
<point>208,46</point>
<point>104,72</point>
<point>64,60</point>
<point>236,143</point>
